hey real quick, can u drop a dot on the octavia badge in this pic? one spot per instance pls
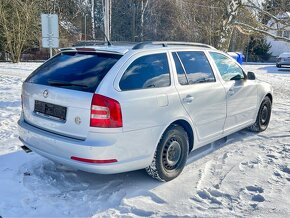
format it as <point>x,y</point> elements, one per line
<point>45,93</point>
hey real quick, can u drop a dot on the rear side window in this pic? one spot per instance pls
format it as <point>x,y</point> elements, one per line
<point>150,71</point>
<point>193,67</point>
<point>74,70</point>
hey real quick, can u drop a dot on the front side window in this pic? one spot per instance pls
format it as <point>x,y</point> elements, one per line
<point>227,67</point>
<point>193,67</point>
<point>150,71</point>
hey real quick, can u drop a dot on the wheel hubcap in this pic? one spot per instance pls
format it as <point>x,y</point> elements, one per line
<point>264,114</point>
<point>171,154</point>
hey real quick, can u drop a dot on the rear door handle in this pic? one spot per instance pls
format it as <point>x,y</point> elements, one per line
<point>188,99</point>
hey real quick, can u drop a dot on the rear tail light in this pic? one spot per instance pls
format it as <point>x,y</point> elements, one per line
<point>105,112</point>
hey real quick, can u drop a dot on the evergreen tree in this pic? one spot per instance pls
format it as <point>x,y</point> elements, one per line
<point>258,49</point>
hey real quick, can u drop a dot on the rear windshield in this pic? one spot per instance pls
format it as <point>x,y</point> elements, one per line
<point>74,70</point>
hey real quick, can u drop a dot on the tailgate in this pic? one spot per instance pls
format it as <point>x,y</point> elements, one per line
<point>57,96</point>
<point>58,110</point>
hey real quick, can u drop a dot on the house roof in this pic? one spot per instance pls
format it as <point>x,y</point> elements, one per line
<point>281,15</point>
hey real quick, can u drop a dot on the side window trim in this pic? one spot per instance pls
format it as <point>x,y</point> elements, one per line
<point>215,69</point>
<point>182,65</point>
<point>185,72</point>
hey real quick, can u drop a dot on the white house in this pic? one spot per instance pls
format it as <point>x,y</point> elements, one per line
<point>279,46</point>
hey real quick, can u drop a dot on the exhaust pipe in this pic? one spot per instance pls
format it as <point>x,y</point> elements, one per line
<point>26,149</point>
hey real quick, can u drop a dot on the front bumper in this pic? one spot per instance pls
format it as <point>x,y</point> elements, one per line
<point>132,150</point>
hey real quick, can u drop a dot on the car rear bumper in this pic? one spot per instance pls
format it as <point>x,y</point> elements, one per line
<point>132,150</point>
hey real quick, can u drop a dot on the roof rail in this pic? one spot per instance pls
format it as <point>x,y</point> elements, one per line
<point>168,43</point>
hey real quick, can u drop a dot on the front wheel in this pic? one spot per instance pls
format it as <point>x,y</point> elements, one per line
<point>171,154</point>
<point>263,117</point>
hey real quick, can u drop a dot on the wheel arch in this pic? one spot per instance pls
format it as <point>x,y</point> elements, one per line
<point>187,127</point>
<point>269,95</point>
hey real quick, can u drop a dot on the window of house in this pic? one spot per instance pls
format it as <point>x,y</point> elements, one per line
<point>286,34</point>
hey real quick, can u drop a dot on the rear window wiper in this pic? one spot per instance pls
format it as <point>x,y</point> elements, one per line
<point>63,83</point>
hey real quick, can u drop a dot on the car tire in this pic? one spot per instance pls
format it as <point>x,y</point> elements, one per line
<point>170,155</point>
<point>263,117</point>
<point>278,65</point>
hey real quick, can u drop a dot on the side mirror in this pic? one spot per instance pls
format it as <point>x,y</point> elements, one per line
<point>251,76</point>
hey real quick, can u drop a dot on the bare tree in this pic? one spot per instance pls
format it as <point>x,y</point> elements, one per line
<point>253,24</point>
<point>144,4</point>
<point>18,25</point>
<point>275,23</point>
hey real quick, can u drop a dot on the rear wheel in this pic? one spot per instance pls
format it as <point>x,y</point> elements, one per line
<point>263,117</point>
<point>171,154</point>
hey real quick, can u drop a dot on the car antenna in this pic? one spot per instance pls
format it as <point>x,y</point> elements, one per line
<point>108,41</point>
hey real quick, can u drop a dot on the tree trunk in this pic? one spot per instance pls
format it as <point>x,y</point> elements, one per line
<point>227,24</point>
<point>143,9</point>
<point>93,19</point>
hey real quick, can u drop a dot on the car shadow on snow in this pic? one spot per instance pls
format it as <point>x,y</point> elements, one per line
<point>275,70</point>
<point>216,145</point>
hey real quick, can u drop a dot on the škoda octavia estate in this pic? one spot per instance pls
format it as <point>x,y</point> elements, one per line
<point>112,109</point>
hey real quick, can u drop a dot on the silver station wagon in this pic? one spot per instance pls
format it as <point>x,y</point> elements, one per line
<point>111,109</point>
<point>283,60</point>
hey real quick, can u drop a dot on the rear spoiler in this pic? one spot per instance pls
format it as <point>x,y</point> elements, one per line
<point>89,49</point>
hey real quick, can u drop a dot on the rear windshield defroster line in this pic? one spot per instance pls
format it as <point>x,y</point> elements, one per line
<point>82,71</point>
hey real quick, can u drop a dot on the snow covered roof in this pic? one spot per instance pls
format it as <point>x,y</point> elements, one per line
<point>69,27</point>
<point>281,15</point>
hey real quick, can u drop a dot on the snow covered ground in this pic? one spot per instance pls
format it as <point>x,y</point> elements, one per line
<point>246,176</point>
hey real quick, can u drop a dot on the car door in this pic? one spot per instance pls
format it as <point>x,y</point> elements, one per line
<point>202,96</point>
<point>145,91</point>
<point>241,93</point>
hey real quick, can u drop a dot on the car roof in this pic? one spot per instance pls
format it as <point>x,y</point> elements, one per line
<point>122,48</point>
<point>285,54</point>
